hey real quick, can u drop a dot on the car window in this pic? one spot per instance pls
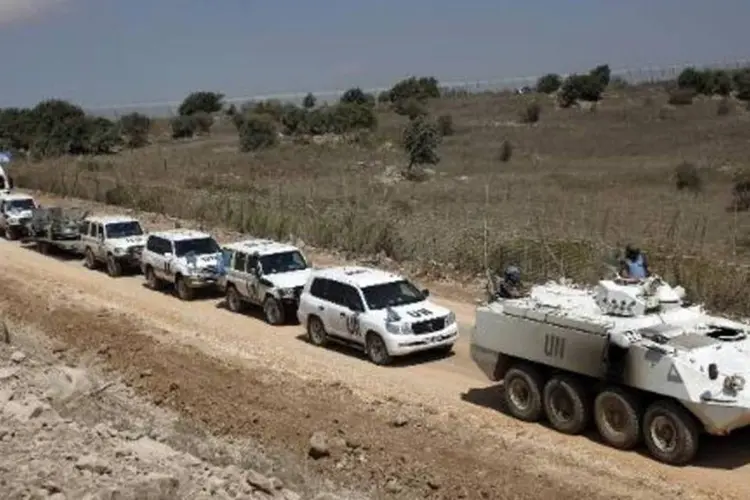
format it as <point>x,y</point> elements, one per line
<point>23,204</point>
<point>397,293</point>
<point>318,288</point>
<point>335,293</point>
<point>283,262</point>
<point>85,227</point>
<point>351,298</point>
<point>240,260</point>
<point>124,229</point>
<point>199,246</point>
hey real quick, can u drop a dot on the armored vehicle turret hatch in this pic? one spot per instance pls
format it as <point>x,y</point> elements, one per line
<point>632,356</point>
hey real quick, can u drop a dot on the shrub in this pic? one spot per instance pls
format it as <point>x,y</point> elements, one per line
<point>531,113</point>
<point>687,177</point>
<point>384,97</point>
<point>135,127</point>
<point>580,87</point>
<point>420,140</point>
<point>741,80</point>
<point>309,101</point>
<point>258,131</point>
<point>357,96</point>
<point>548,83</point>
<point>445,125</point>
<point>206,102</point>
<point>722,83</point>
<point>681,96</point>
<point>104,136</point>
<point>410,107</point>
<point>203,122</point>
<point>602,74</point>
<point>271,107</point>
<point>350,116</point>
<point>293,120</point>
<point>417,88</point>
<point>183,127</point>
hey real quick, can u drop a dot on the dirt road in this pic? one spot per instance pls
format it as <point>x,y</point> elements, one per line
<point>423,428</point>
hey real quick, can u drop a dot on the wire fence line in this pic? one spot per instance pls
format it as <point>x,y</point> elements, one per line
<point>646,74</point>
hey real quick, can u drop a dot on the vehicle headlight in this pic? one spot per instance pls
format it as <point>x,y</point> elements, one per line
<point>14,220</point>
<point>393,328</point>
<point>119,251</point>
<point>450,319</point>
<point>286,293</point>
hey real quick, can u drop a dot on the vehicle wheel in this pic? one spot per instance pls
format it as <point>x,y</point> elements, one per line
<point>11,234</point>
<point>523,392</point>
<point>376,349</point>
<point>153,282</point>
<point>184,292</point>
<point>114,266</point>
<point>316,332</point>
<point>90,261</point>
<point>273,311</point>
<point>43,247</point>
<point>234,302</point>
<point>670,433</point>
<point>617,415</point>
<point>566,404</point>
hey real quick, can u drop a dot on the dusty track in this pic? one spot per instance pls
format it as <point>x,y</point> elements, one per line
<point>274,386</point>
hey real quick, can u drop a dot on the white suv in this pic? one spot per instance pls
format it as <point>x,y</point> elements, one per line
<point>16,210</point>
<point>382,313</point>
<point>115,240</point>
<point>188,259</point>
<point>264,273</point>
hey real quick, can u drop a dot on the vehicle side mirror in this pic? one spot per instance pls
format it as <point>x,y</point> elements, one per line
<point>425,292</point>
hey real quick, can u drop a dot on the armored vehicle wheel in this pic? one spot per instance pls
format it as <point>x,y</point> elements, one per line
<point>184,292</point>
<point>153,282</point>
<point>523,392</point>
<point>617,415</point>
<point>114,267</point>
<point>670,433</point>
<point>376,350</point>
<point>316,332</point>
<point>234,302</point>
<point>566,404</point>
<point>90,261</point>
<point>273,311</point>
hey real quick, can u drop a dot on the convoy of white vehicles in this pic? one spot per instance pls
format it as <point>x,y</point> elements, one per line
<point>631,357</point>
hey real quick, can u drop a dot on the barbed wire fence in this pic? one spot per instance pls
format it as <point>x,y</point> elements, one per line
<point>633,76</point>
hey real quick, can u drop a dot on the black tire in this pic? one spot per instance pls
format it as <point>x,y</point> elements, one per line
<point>89,259</point>
<point>234,301</point>
<point>376,350</point>
<point>316,332</point>
<point>522,390</point>
<point>43,247</point>
<point>153,282</point>
<point>617,414</point>
<point>680,444</point>
<point>184,292</point>
<point>566,404</point>
<point>114,266</point>
<point>273,311</point>
<point>11,234</point>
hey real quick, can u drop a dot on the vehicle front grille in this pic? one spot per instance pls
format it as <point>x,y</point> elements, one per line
<point>429,326</point>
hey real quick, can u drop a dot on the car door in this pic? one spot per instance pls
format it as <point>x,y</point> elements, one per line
<point>155,257</point>
<point>353,306</point>
<point>252,280</point>
<point>88,239</point>
<point>99,251</point>
<point>237,272</point>
<point>336,310</point>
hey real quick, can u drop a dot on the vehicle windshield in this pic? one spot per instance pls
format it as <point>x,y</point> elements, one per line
<point>397,293</point>
<point>200,246</point>
<point>283,262</point>
<point>25,204</point>
<point>124,229</point>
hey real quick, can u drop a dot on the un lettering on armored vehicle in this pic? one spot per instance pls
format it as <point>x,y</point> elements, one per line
<point>631,356</point>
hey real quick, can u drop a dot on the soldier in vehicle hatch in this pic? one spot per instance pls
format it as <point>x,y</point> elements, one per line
<point>635,265</point>
<point>509,286</point>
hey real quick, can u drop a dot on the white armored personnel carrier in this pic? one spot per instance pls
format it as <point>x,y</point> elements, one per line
<point>631,356</point>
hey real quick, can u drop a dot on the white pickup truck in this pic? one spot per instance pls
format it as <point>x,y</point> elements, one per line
<point>265,273</point>
<point>16,210</point>
<point>115,240</point>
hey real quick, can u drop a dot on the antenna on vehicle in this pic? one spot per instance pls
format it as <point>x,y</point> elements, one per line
<point>486,236</point>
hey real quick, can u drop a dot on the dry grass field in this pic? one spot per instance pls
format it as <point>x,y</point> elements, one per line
<point>580,183</point>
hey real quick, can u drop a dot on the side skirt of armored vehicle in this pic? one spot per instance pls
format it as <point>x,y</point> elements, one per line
<point>570,373</point>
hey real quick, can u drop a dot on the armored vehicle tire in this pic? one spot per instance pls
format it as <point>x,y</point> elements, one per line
<point>184,292</point>
<point>90,260</point>
<point>153,282</point>
<point>234,301</point>
<point>523,392</point>
<point>566,404</point>
<point>376,350</point>
<point>670,432</point>
<point>316,332</point>
<point>617,415</point>
<point>114,266</point>
<point>273,311</point>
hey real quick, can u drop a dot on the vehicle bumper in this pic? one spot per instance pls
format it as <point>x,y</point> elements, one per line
<point>400,345</point>
<point>202,281</point>
<point>129,260</point>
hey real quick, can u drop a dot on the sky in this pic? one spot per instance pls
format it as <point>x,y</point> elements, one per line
<point>101,53</point>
